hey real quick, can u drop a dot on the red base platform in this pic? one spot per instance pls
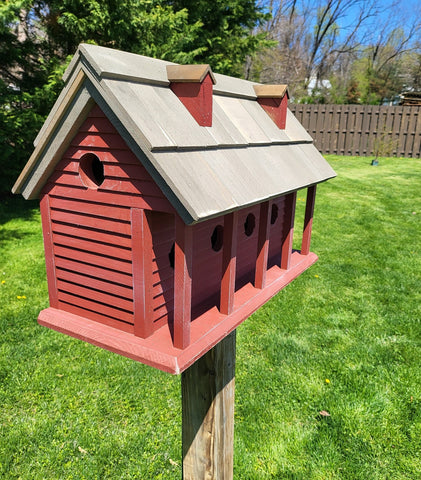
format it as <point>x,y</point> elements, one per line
<point>206,330</point>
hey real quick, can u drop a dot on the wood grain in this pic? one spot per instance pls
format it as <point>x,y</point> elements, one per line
<point>207,264</point>
<point>208,388</point>
<point>246,247</point>
<point>270,91</point>
<point>189,73</point>
<point>352,129</point>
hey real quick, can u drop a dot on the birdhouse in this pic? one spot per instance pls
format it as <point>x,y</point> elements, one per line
<point>167,197</point>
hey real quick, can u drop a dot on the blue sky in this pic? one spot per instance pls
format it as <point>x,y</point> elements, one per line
<point>393,14</point>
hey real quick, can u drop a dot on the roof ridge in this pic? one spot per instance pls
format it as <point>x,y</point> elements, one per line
<point>106,62</point>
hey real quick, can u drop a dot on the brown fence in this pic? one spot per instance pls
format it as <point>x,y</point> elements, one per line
<point>363,129</point>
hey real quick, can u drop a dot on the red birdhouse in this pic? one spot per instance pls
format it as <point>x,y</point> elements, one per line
<point>167,199</point>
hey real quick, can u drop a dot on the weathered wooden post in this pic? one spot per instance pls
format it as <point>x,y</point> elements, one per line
<point>208,388</point>
<point>168,195</point>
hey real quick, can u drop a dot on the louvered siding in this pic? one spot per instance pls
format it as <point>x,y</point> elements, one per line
<point>92,253</point>
<point>91,228</point>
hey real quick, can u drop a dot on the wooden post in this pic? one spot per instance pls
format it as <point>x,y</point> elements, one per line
<point>262,247</point>
<point>308,220</point>
<point>49,250</point>
<point>142,273</point>
<point>183,258</point>
<point>208,414</point>
<point>289,230</point>
<point>229,262</point>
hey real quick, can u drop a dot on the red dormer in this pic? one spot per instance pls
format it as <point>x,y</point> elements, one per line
<point>274,100</point>
<point>193,85</point>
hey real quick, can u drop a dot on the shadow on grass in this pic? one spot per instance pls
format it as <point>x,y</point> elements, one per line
<point>15,206</point>
<point>9,235</point>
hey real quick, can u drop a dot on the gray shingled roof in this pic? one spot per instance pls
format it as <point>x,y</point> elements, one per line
<point>242,159</point>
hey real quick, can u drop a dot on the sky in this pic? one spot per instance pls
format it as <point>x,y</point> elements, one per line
<point>401,13</point>
<point>392,14</point>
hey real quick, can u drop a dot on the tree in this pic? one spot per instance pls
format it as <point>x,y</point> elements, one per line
<point>284,61</point>
<point>225,37</point>
<point>312,35</point>
<point>27,86</point>
<point>384,68</point>
<point>411,71</point>
<point>323,49</point>
<point>147,27</point>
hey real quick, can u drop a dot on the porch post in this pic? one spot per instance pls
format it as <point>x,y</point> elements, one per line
<point>229,262</point>
<point>262,246</point>
<point>49,250</point>
<point>308,220</point>
<point>288,230</point>
<point>142,273</point>
<point>182,283</point>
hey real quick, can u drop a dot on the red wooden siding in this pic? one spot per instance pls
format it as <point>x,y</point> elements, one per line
<point>207,267</point>
<point>276,108</point>
<point>290,201</point>
<point>163,238</point>
<point>126,182</point>
<point>49,251</point>
<point>276,230</point>
<point>183,258</point>
<point>142,254</point>
<point>97,264</point>
<point>229,263</point>
<point>262,246</point>
<point>197,98</point>
<point>91,228</point>
<point>93,261</point>
<point>246,247</point>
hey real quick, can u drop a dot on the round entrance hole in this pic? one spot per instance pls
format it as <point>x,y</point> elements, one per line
<point>217,238</point>
<point>91,171</point>
<point>249,224</point>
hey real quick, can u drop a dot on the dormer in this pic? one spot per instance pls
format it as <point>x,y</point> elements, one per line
<point>193,85</point>
<point>274,101</point>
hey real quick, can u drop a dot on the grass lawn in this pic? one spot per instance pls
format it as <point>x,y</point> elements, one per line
<point>343,339</point>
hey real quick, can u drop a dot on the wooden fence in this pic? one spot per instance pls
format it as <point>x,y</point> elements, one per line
<point>363,129</point>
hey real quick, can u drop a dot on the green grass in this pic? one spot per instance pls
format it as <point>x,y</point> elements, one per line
<point>343,338</point>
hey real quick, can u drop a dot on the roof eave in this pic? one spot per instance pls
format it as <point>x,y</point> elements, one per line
<point>58,111</point>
